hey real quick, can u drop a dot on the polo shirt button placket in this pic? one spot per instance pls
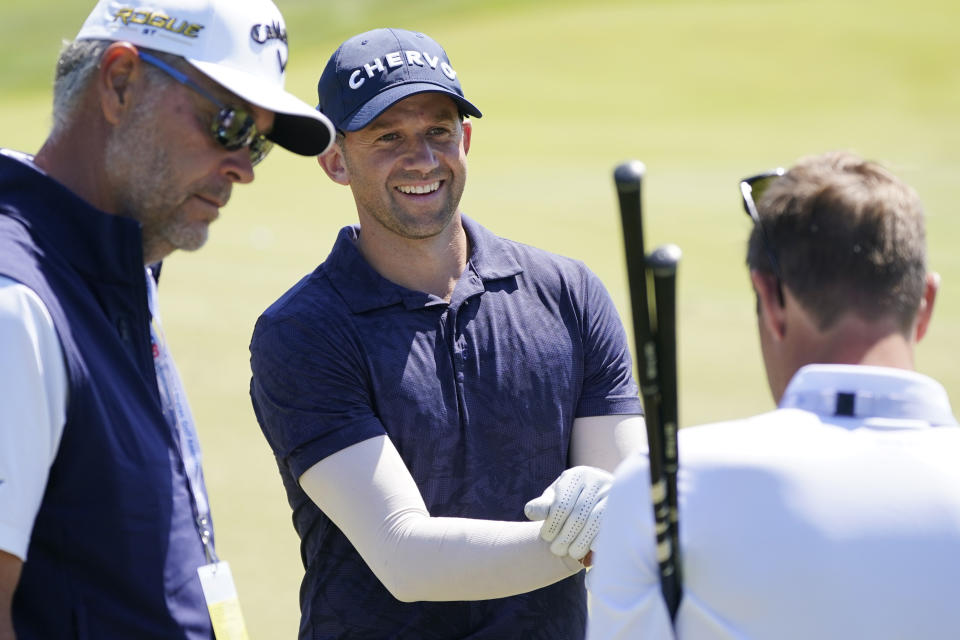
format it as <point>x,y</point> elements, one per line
<point>460,357</point>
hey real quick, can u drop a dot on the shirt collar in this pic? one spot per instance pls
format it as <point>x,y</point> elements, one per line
<point>867,392</point>
<point>363,289</point>
<point>492,257</point>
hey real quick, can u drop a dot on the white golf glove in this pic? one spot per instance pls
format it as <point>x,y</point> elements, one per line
<point>571,509</point>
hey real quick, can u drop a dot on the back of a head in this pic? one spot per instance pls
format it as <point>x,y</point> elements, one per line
<point>849,238</point>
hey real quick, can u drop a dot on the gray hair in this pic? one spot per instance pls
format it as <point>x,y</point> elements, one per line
<point>76,67</point>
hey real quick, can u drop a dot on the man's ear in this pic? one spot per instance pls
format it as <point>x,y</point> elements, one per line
<point>772,313</point>
<point>467,134</point>
<point>931,286</point>
<point>334,163</point>
<point>119,69</point>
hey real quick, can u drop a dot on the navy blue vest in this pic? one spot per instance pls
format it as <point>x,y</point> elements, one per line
<point>114,551</point>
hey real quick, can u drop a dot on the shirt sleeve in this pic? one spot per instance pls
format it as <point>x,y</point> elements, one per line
<point>608,384</point>
<point>310,390</point>
<point>624,583</point>
<point>33,398</point>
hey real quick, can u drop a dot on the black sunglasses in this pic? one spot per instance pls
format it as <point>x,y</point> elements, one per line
<point>752,189</point>
<point>233,127</point>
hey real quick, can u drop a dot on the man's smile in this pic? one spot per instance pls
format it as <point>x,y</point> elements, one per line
<point>419,189</point>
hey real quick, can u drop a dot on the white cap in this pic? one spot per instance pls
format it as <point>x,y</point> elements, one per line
<point>240,44</point>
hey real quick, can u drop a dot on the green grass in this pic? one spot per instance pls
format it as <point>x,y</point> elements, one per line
<point>702,92</point>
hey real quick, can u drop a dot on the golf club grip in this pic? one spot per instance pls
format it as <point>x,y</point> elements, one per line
<point>629,182</point>
<point>663,262</point>
<point>628,178</point>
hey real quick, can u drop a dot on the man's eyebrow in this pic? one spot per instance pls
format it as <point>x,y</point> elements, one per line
<point>379,125</point>
<point>446,113</point>
<point>443,114</point>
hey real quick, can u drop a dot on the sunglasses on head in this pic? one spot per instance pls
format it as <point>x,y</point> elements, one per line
<point>232,127</point>
<point>751,190</point>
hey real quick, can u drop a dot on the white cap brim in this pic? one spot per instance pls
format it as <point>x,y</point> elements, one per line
<point>240,45</point>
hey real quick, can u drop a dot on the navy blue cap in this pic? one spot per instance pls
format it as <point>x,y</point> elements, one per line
<point>372,71</point>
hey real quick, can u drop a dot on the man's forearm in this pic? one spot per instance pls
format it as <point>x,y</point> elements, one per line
<point>368,492</point>
<point>419,558</point>
<point>10,567</point>
<point>6,627</point>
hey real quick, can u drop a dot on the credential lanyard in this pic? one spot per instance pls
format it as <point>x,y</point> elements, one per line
<point>177,412</point>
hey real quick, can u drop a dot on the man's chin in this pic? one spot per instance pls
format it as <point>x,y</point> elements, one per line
<point>423,227</point>
<point>195,245</point>
<point>191,238</point>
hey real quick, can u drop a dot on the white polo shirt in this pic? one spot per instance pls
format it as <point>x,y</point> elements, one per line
<point>835,516</point>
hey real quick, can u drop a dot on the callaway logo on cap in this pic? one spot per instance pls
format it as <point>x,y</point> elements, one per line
<point>372,71</point>
<point>241,45</point>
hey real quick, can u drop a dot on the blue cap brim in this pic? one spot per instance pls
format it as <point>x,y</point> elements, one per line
<point>372,109</point>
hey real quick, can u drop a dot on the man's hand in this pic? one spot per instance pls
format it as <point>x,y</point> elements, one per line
<point>571,509</point>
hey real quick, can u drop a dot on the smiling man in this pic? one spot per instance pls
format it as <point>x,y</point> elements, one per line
<point>431,384</point>
<point>159,111</point>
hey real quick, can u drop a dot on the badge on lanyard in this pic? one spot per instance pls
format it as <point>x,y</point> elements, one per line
<point>222,601</point>
<point>215,577</point>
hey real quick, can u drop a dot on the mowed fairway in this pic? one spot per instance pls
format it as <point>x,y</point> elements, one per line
<point>702,92</point>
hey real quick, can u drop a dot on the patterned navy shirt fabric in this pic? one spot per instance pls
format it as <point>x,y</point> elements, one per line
<point>478,395</point>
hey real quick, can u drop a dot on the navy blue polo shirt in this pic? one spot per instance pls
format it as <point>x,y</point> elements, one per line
<point>478,395</point>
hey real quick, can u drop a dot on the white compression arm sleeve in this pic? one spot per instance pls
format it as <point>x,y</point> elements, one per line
<point>367,491</point>
<point>604,441</point>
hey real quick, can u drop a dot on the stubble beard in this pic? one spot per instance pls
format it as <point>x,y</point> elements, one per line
<point>138,166</point>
